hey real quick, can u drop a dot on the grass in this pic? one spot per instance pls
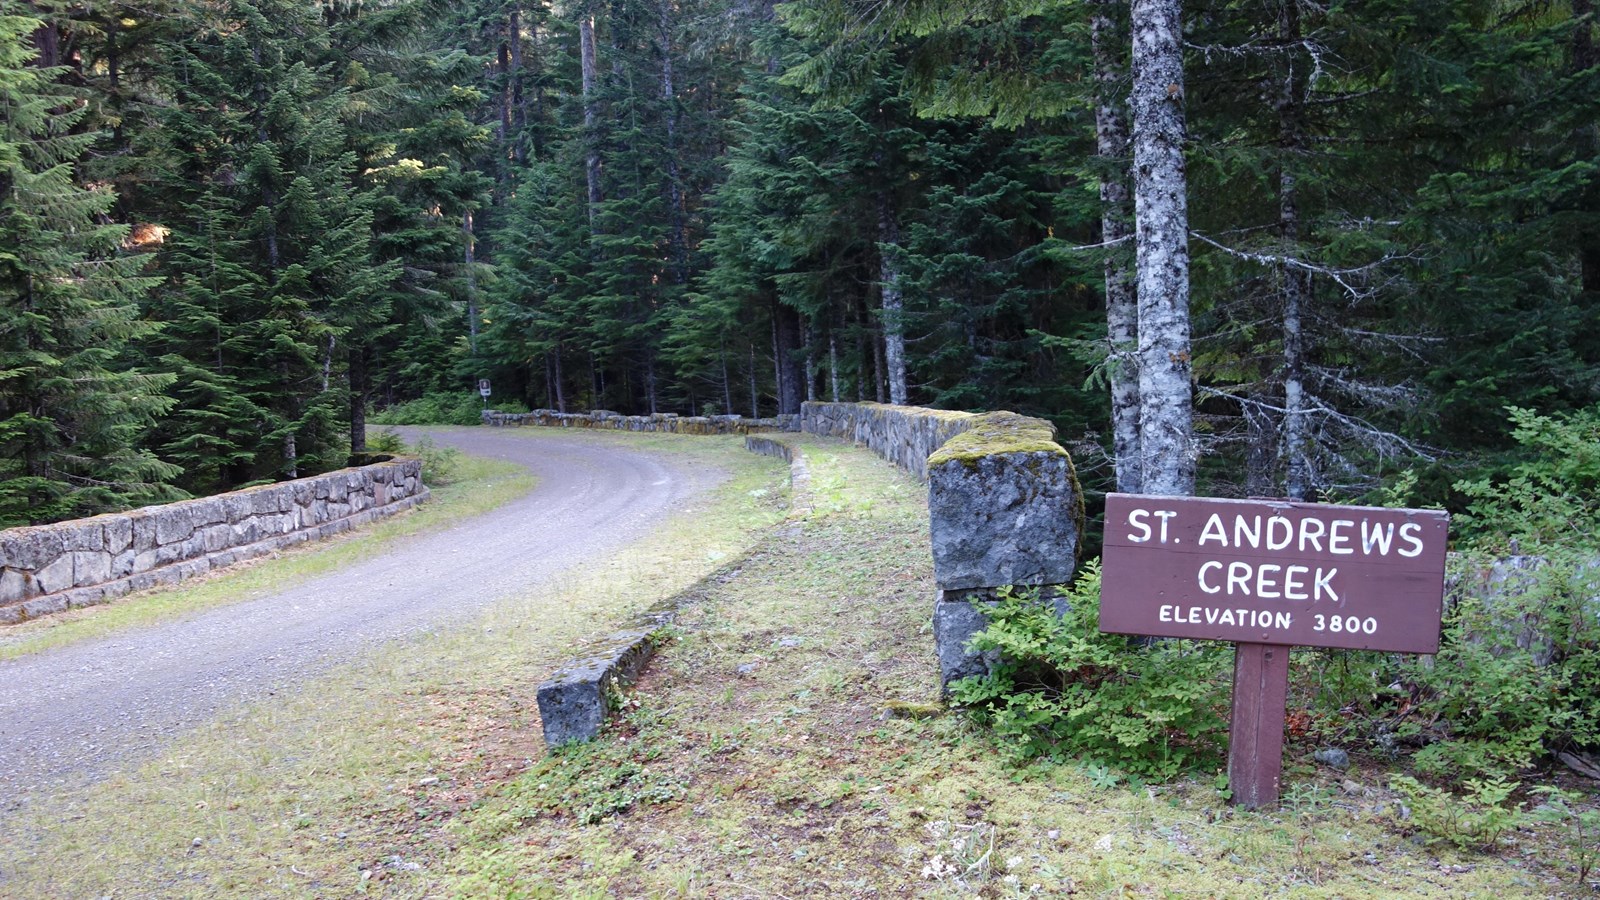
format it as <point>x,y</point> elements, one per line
<point>788,743</point>
<point>341,788</point>
<point>785,747</point>
<point>479,486</point>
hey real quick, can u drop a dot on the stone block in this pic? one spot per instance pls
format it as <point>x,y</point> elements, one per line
<point>89,534</point>
<point>238,507</point>
<point>217,537</point>
<point>14,585</point>
<point>263,502</point>
<point>145,560</point>
<point>29,548</point>
<point>572,703</point>
<point>304,492</point>
<point>144,530</point>
<point>90,567</point>
<point>142,581</point>
<point>173,524</point>
<point>1008,517</point>
<point>44,606</point>
<point>118,533</point>
<point>122,564</point>
<point>194,547</point>
<point>57,576</point>
<point>338,489</point>
<point>191,567</point>
<point>86,596</point>
<point>955,620</point>
<point>207,512</point>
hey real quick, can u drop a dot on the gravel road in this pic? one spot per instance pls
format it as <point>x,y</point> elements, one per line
<point>89,709</point>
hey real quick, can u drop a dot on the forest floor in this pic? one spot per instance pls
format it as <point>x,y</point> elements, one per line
<point>787,743</point>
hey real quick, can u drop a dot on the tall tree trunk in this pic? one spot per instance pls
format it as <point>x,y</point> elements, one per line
<point>1161,212</point>
<point>469,240</point>
<point>791,367</point>
<point>727,387</point>
<point>1122,306</point>
<point>833,367</point>
<point>561,389</point>
<point>519,113</point>
<point>755,392</point>
<point>650,381</point>
<point>1584,58</point>
<point>1296,281</point>
<point>591,113</point>
<point>360,390</point>
<point>46,41</point>
<point>894,336</point>
<point>879,384</point>
<point>675,209</point>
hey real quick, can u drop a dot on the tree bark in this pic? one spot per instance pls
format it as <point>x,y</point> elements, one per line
<point>591,114</point>
<point>1161,212</point>
<point>1122,309</point>
<point>1296,281</point>
<point>469,241</point>
<point>360,389</point>
<point>833,367</point>
<point>675,208</point>
<point>894,337</point>
<point>519,113</point>
<point>561,391</point>
<point>791,367</point>
<point>1584,58</point>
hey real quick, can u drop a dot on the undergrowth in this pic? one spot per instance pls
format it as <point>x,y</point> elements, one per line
<point>1063,688</point>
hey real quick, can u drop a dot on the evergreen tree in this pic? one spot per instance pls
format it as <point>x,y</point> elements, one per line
<point>270,260</point>
<point>72,410</point>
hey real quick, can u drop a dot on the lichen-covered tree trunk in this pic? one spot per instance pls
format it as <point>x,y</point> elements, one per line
<point>1161,214</point>
<point>591,102</point>
<point>1122,309</point>
<point>894,336</point>
<point>1296,281</point>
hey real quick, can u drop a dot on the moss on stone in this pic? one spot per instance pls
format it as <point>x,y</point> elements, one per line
<point>995,433</point>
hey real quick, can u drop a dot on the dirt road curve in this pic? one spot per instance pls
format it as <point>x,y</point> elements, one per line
<point>86,710</point>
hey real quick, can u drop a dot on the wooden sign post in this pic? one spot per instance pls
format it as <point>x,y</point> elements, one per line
<point>1268,575</point>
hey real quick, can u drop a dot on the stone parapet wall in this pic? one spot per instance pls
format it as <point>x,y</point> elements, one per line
<point>904,435</point>
<point>1004,505</point>
<point>49,568</point>
<point>663,423</point>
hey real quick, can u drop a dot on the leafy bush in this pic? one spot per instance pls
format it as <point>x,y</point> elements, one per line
<point>1062,687</point>
<point>1550,499</point>
<point>440,465</point>
<point>441,409</point>
<point>1518,672</point>
<point>1475,819</point>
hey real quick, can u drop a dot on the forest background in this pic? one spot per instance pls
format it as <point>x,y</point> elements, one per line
<point>230,230</point>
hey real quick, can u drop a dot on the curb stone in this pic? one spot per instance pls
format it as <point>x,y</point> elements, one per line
<point>573,701</point>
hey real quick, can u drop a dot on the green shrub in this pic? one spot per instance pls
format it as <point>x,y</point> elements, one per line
<point>1474,819</point>
<point>464,408</point>
<point>1517,675</point>
<point>1552,498</point>
<point>440,465</point>
<point>1064,688</point>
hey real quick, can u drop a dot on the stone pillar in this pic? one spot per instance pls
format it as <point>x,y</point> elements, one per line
<point>1004,509</point>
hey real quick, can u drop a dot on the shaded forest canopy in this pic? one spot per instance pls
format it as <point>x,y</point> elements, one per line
<point>230,229</point>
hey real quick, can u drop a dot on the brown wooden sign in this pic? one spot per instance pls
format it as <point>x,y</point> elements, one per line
<point>1274,572</point>
<point>1267,575</point>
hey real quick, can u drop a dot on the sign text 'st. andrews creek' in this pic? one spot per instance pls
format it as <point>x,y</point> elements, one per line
<point>1274,572</point>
